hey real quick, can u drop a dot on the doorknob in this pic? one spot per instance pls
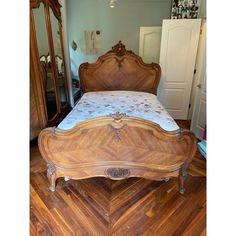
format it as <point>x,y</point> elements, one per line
<point>199,86</point>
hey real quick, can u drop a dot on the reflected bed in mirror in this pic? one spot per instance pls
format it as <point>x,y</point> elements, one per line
<point>59,63</point>
<point>46,62</point>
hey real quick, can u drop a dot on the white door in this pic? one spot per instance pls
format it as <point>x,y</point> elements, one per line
<point>199,110</point>
<point>179,44</point>
<point>149,44</point>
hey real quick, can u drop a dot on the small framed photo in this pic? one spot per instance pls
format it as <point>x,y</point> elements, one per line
<point>185,9</point>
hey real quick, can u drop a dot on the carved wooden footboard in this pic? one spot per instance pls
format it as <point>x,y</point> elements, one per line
<point>117,147</point>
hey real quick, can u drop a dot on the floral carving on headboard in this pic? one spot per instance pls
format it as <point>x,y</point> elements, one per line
<point>119,49</point>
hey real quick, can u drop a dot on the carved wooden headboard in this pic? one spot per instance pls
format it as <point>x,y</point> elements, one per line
<point>119,69</point>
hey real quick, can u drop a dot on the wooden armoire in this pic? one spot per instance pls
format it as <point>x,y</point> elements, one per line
<point>49,95</point>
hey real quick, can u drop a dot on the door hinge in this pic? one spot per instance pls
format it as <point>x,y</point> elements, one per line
<point>189,106</point>
<point>194,72</point>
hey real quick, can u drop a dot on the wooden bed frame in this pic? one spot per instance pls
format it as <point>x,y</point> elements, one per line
<point>117,146</point>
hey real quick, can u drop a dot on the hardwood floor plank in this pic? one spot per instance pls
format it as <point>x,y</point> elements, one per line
<point>83,213</point>
<point>45,223</point>
<point>139,212</point>
<point>183,215</point>
<point>197,226</point>
<point>161,214</point>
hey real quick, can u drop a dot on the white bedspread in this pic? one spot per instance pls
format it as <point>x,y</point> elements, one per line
<point>137,104</point>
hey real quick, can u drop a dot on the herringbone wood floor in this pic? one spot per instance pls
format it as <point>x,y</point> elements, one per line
<point>99,206</point>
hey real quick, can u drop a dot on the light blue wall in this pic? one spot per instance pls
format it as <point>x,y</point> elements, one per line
<point>119,23</point>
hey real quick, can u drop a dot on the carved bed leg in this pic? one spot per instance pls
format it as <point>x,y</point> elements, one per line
<point>52,187</point>
<point>51,173</point>
<point>182,176</point>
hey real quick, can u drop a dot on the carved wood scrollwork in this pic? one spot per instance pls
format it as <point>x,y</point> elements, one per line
<point>117,131</point>
<point>119,49</point>
<point>119,61</point>
<point>116,128</point>
<point>118,116</point>
<point>117,173</point>
<point>55,6</point>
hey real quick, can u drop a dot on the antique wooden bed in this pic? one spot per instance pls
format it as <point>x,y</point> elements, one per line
<point>117,146</point>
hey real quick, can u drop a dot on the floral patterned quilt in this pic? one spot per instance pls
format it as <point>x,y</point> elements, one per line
<point>137,104</point>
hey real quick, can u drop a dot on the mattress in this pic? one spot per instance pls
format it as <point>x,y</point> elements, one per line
<point>136,104</point>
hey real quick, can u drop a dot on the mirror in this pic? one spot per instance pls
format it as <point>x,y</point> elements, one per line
<point>58,56</point>
<point>45,63</point>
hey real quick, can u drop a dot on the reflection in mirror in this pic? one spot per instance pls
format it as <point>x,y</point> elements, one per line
<point>43,49</point>
<point>58,56</point>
